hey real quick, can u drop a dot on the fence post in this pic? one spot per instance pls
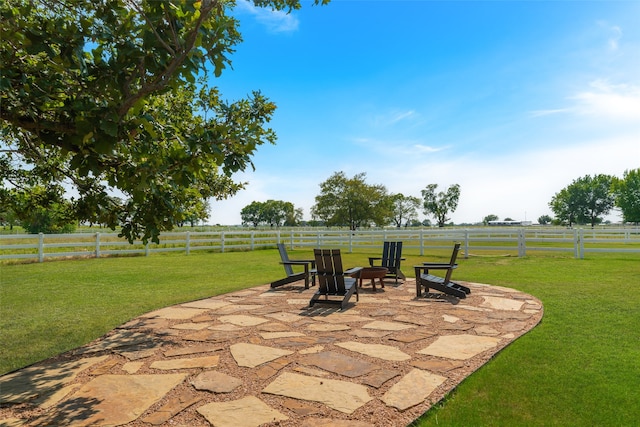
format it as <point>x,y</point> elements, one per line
<point>581,243</point>
<point>522,244</point>
<point>40,247</point>
<point>466,243</point>
<point>98,245</point>
<point>351,233</point>
<point>253,240</point>
<point>576,244</point>
<point>222,241</point>
<point>146,249</point>
<point>188,243</point>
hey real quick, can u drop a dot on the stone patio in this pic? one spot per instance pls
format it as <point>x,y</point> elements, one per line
<point>263,357</point>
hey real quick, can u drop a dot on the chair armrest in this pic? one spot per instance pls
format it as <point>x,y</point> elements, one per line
<point>310,261</point>
<point>437,266</point>
<point>299,262</point>
<point>353,270</point>
<point>372,259</point>
<point>427,266</point>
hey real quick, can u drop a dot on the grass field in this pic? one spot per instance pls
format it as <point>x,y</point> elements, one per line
<point>580,366</point>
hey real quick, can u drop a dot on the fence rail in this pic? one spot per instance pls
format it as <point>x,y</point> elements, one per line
<point>474,241</point>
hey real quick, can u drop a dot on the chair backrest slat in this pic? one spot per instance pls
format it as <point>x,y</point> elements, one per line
<point>285,258</point>
<point>391,255</point>
<point>329,271</point>
<point>454,256</point>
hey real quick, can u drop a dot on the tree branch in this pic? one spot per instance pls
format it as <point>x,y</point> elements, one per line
<point>161,81</point>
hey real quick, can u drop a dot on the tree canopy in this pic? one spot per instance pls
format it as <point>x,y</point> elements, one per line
<point>405,209</point>
<point>352,202</point>
<point>103,98</point>
<point>584,201</point>
<point>440,204</point>
<point>626,191</point>
<point>272,212</point>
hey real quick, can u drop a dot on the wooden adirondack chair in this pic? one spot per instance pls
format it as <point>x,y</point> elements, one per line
<point>307,264</point>
<point>333,281</point>
<point>442,284</point>
<point>391,258</point>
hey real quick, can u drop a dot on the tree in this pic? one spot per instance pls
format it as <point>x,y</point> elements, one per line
<point>440,204</point>
<point>102,96</point>
<point>44,210</point>
<point>405,209</point>
<point>252,214</point>
<point>196,211</point>
<point>627,195</point>
<point>276,212</point>
<point>294,217</point>
<point>544,220</point>
<point>584,201</point>
<point>351,202</point>
<point>272,212</point>
<point>487,219</point>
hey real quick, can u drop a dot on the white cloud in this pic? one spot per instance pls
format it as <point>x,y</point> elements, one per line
<point>420,148</point>
<point>603,99</point>
<point>541,113</point>
<point>275,21</point>
<point>394,117</point>
<point>614,34</point>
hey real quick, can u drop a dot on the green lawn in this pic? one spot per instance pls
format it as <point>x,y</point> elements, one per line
<point>580,366</point>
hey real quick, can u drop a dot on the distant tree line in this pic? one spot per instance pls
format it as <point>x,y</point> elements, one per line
<point>351,202</point>
<point>589,198</point>
<point>345,202</point>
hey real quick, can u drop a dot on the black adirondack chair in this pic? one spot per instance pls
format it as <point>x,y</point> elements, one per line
<point>390,259</point>
<point>442,284</point>
<point>307,264</point>
<point>333,280</point>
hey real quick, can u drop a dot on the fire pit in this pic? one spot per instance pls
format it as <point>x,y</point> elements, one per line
<point>372,273</point>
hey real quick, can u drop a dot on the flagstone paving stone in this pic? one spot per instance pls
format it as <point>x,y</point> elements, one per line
<point>460,346</point>
<point>437,365</point>
<point>176,312</point>
<point>263,356</point>
<point>209,303</point>
<point>246,412</point>
<point>387,326</point>
<point>328,327</point>
<point>412,389</point>
<point>216,382</point>
<point>132,367</point>
<point>379,377</point>
<point>174,405</point>
<point>500,303</point>
<point>187,363</point>
<point>242,320</point>
<point>342,396</point>
<point>112,400</point>
<point>42,380</point>
<point>192,349</point>
<point>380,351</point>
<point>340,364</point>
<point>251,355</point>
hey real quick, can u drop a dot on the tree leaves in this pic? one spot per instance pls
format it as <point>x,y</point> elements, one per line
<point>110,91</point>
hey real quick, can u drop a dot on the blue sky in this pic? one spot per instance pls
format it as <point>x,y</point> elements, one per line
<point>512,100</point>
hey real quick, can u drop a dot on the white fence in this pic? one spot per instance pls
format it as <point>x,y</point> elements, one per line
<point>488,240</point>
